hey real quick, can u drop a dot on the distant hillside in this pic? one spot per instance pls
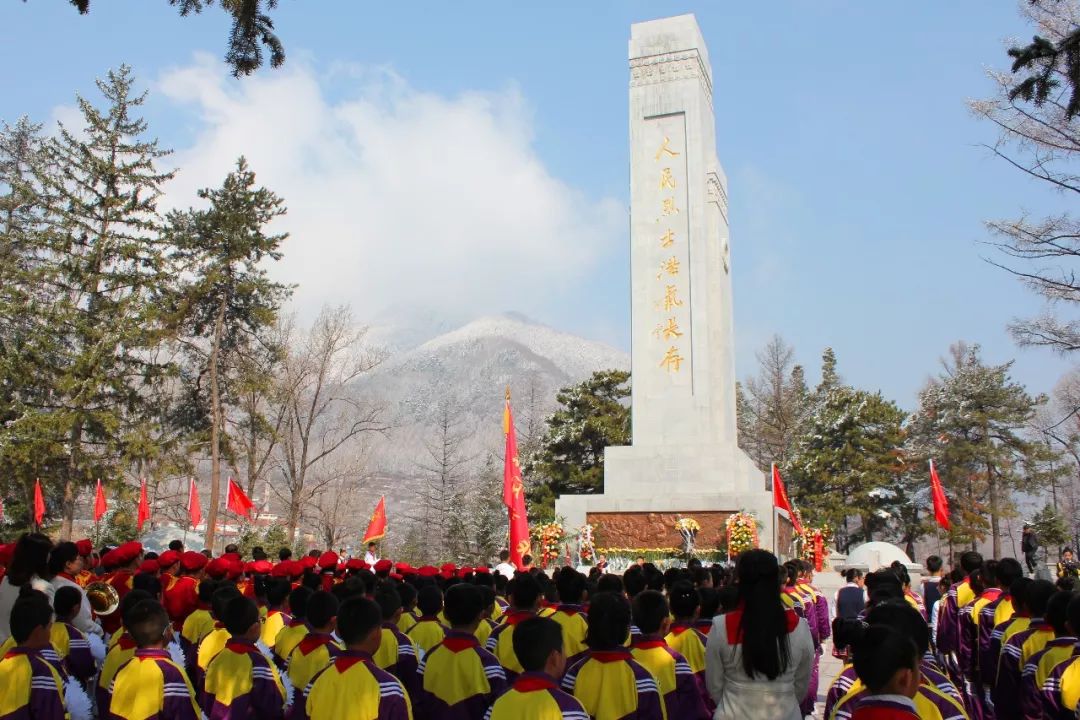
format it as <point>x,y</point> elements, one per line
<point>468,369</point>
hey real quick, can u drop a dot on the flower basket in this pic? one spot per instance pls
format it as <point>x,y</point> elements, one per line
<point>742,533</point>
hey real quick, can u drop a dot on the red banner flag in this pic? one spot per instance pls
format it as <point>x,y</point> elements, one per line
<point>376,529</point>
<point>237,501</point>
<point>100,505</point>
<point>193,507</point>
<point>514,492</point>
<point>144,505</point>
<point>39,503</point>
<point>941,503</point>
<point>780,499</point>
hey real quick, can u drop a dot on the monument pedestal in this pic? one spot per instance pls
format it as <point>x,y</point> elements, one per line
<point>684,460</point>
<point>648,489</point>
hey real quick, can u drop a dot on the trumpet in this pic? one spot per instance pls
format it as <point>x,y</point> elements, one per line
<point>103,597</point>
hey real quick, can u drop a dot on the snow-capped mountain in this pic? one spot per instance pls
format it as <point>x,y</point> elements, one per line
<point>463,374</point>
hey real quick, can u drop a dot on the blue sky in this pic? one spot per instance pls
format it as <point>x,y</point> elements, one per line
<point>858,188</point>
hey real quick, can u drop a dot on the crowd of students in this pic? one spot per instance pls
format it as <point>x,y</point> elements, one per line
<point>324,638</point>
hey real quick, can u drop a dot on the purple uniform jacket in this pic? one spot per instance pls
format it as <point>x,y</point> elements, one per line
<point>839,688</point>
<point>1032,699</point>
<point>405,669</point>
<point>650,706</point>
<point>685,700</point>
<point>431,702</point>
<point>176,703</point>
<point>46,697</point>
<point>79,662</point>
<point>936,676</point>
<point>822,606</point>
<point>948,623</point>
<point>1051,692</point>
<point>1007,686</point>
<point>263,702</point>
<point>987,659</point>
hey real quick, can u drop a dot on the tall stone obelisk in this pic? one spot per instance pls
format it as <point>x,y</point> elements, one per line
<point>684,458</point>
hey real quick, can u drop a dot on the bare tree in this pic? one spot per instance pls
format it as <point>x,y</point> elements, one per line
<point>772,403</point>
<point>335,512</point>
<point>1041,139</point>
<point>444,487</point>
<point>323,413</point>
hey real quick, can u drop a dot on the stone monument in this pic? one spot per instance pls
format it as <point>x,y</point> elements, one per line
<point>684,460</point>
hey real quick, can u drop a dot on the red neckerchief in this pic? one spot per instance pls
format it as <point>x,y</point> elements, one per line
<point>614,655</point>
<point>533,681</point>
<point>648,642</point>
<point>456,641</point>
<point>348,658</point>
<point>515,616</point>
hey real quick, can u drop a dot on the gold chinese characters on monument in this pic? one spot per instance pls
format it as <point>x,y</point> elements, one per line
<point>668,292</point>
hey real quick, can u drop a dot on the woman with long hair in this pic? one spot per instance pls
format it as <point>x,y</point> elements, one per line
<point>759,655</point>
<point>29,566</point>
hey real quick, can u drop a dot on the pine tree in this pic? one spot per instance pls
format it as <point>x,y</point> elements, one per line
<point>570,459</point>
<point>844,461</point>
<point>973,421</point>
<point>24,451</point>
<point>829,376</point>
<point>227,302</point>
<point>104,274</point>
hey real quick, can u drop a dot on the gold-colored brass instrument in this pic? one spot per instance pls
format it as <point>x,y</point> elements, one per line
<point>103,597</point>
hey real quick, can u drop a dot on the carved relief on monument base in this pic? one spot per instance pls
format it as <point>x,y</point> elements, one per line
<point>656,529</point>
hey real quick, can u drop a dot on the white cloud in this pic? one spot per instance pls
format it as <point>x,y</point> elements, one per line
<point>396,195</point>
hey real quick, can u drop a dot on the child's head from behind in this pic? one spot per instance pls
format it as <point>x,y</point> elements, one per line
<point>887,662</point>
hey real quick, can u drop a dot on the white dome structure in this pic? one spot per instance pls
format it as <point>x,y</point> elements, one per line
<point>875,555</point>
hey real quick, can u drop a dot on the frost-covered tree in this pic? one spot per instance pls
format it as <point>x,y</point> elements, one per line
<point>844,463</point>
<point>974,420</point>
<point>593,415</point>
<point>1034,110</point>
<point>105,275</point>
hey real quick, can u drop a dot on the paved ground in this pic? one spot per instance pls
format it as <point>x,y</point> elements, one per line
<point>830,668</point>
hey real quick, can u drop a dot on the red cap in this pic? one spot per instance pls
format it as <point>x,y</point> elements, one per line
<point>85,547</point>
<point>168,558</point>
<point>127,552</point>
<point>395,576</point>
<point>355,564</point>
<point>235,567</point>
<point>328,560</point>
<point>149,566</point>
<point>282,569</point>
<point>428,571</point>
<point>464,572</point>
<point>192,561</point>
<point>308,562</point>
<point>232,557</point>
<point>483,570</point>
<point>261,567</point>
<point>108,560</point>
<point>448,567</point>
<point>217,568</point>
<point>383,565</point>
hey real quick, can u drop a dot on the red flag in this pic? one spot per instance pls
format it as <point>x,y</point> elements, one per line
<point>514,492</point>
<point>144,505</point>
<point>376,529</point>
<point>100,505</point>
<point>194,509</point>
<point>39,503</point>
<point>941,503</point>
<point>238,502</point>
<point>780,499</point>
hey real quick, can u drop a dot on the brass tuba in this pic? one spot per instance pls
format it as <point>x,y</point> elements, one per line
<point>103,597</point>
